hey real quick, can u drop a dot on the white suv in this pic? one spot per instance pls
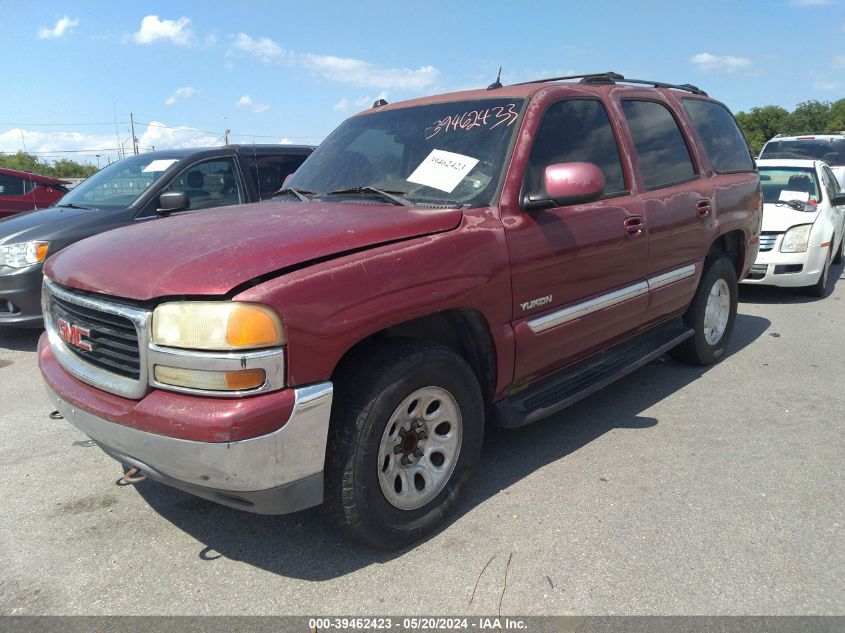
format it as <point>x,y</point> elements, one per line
<point>829,148</point>
<point>803,215</point>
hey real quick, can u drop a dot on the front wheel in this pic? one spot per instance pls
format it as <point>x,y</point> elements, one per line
<point>405,439</point>
<point>711,315</point>
<point>819,288</point>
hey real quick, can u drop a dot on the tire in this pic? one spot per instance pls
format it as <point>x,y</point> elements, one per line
<point>819,289</point>
<point>395,469</point>
<point>840,252</point>
<point>707,344</point>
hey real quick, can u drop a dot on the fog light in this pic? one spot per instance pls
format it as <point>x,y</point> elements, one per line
<point>210,380</point>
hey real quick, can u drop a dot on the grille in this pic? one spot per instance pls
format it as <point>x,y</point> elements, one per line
<point>113,338</point>
<point>767,241</point>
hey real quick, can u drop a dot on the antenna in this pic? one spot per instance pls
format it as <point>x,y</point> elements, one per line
<point>498,83</point>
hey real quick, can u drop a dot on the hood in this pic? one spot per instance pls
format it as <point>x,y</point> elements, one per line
<point>780,218</point>
<point>211,252</point>
<point>59,224</point>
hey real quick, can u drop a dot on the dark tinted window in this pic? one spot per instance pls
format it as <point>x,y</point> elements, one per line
<point>663,155</point>
<point>577,130</point>
<point>11,185</point>
<point>721,137</point>
<point>271,172</point>
<point>830,150</point>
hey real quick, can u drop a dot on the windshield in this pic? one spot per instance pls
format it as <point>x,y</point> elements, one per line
<point>445,153</point>
<point>830,150</point>
<point>782,184</point>
<point>119,185</point>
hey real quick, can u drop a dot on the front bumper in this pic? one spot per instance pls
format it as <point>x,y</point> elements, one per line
<point>275,473</point>
<point>787,270</point>
<point>20,296</point>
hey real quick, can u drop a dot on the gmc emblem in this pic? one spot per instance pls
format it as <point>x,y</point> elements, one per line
<point>73,334</point>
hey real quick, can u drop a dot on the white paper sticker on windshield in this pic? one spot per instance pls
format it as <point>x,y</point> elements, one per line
<point>160,165</point>
<point>786,195</point>
<point>443,170</point>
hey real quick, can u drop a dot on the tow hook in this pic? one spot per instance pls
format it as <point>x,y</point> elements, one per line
<point>131,476</point>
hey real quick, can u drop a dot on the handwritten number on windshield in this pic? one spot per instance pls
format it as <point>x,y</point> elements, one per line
<point>489,118</point>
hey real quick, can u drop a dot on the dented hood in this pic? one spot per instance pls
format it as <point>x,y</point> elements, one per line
<point>212,252</point>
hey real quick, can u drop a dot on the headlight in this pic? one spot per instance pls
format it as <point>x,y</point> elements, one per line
<point>796,239</point>
<point>23,254</point>
<point>217,325</point>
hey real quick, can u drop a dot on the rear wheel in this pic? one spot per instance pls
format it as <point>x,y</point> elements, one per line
<point>711,315</point>
<point>405,439</point>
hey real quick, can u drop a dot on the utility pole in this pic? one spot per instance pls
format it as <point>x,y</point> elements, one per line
<point>226,136</point>
<point>134,140</point>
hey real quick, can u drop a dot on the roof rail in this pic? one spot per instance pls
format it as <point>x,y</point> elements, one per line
<point>612,78</point>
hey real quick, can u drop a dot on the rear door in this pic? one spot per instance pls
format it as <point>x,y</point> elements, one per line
<point>677,204</point>
<point>578,272</point>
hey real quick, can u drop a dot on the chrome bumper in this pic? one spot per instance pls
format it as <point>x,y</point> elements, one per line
<point>273,474</point>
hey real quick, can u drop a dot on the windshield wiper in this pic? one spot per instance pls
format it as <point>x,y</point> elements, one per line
<point>299,193</point>
<point>70,205</point>
<point>389,195</point>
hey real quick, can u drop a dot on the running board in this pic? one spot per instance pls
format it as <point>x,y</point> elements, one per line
<point>557,392</point>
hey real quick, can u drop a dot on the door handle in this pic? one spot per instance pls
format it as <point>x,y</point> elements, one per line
<point>634,226</point>
<point>703,208</point>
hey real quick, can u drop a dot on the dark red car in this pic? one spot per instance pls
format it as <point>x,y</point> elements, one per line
<point>23,191</point>
<point>434,268</point>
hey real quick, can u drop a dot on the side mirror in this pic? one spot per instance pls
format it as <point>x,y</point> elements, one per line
<point>172,201</point>
<point>838,200</point>
<point>565,184</point>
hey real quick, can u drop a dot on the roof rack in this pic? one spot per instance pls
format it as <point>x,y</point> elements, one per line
<point>612,78</point>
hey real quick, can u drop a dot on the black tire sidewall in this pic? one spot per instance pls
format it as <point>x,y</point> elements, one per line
<point>384,524</point>
<point>704,352</point>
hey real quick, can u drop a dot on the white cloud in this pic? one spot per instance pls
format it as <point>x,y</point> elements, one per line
<point>728,63</point>
<point>181,94</point>
<point>262,48</point>
<point>839,61</point>
<point>41,142</point>
<point>63,25</point>
<point>153,28</point>
<point>162,137</point>
<point>361,73</point>
<point>210,40</point>
<point>342,69</point>
<point>285,141</point>
<point>341,106</point>
<point>361,102</point>
<point>808,3</point>
<point>246,102</point>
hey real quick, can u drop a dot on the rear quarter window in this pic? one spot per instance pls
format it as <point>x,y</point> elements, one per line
<point>720,135</point>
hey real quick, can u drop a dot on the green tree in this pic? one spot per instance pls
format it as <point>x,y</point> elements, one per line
<point>62,168</point>
<point>809,117</point>
<point>761,124</point>
<point>836,118</point>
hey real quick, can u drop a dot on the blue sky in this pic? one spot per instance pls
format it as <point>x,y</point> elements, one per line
<point>291,71</point>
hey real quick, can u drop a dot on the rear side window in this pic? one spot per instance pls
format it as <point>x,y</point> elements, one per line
<point>12,185</point>
<point>271,172</point>
<point>577,130</point>
<point>664,159</point>
<point>721,137</point>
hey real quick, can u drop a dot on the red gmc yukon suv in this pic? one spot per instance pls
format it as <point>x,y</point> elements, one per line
<point>482,257</point>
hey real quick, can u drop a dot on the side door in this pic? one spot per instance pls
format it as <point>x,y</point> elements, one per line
<point>831,184</point>
<point>677,205</point>
<point>577,272</point>
<point>210,183</point>
<point>15,195</point>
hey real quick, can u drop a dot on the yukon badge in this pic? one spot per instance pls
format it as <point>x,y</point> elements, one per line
<point>535,303</point>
